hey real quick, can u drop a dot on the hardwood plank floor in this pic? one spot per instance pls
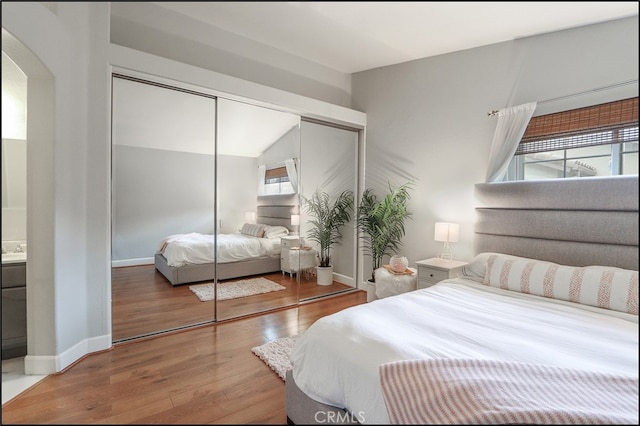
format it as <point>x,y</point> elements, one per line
<point>144,302</point>
<point>205,375</point>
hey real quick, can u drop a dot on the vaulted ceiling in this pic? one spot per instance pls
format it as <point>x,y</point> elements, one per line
<point>356,36</point>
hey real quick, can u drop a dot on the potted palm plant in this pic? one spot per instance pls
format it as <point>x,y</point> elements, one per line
<point>327,218</point>
<point>381,222</point>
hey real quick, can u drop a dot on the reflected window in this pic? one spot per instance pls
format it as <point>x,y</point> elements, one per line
<point>276,181</point>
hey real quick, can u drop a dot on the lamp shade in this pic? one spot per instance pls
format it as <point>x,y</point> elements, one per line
<point>447,232</point>
<point>295,219</point>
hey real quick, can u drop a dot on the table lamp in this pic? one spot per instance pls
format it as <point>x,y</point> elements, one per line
<point>250,217</point>
<point>447,233</point>
<point>295,222</point>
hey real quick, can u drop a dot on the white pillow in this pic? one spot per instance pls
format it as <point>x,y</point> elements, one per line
<point>601,286</point>
<point>275,231</point>
<point>253,229</point>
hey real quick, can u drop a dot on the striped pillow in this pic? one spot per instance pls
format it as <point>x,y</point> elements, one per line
<point>604,287</point>
<point>253,229</point>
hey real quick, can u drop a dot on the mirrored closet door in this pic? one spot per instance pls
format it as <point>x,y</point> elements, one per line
<point>258,161</point>
<point>207,218</point>
<point>163,190</point>
<point>329,165</point>
<point>195,179</point>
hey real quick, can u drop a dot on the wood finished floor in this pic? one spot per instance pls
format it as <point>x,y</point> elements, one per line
<point>206,375</point>
<point>144,302</point>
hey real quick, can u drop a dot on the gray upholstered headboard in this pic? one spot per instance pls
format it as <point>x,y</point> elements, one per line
<point>578,221</point>
<point>276,215</point>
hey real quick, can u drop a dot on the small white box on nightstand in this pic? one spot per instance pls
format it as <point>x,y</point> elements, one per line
<point>432,271</point>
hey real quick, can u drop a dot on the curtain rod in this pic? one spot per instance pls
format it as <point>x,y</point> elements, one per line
<point>494,112</point>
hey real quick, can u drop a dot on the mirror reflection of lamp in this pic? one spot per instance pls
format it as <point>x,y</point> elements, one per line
<point>250,217</point>
<point>446,233</point>
<point>295,222</point>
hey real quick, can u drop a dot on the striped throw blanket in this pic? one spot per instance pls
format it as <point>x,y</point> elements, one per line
<point>462,391</point>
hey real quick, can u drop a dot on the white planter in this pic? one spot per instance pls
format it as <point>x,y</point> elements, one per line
<point>324,275</point>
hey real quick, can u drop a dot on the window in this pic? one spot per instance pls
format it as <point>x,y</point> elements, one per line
<point>276,181</point>
<point>600,140</point>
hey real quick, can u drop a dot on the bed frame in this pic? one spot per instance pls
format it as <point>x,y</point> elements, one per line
<point>268,215</point>
<point>576,221</point>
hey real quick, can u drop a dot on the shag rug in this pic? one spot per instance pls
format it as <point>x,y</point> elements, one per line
<point>235,289</point>
<point>276,354</point>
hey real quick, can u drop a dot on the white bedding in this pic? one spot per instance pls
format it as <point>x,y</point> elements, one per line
<point>336,361</point>
<point>182,249</point>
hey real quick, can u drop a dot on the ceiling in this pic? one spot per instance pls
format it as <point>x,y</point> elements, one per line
<point>357,36</point>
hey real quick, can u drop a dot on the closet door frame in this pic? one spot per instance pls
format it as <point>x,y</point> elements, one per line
<point>217,85</point>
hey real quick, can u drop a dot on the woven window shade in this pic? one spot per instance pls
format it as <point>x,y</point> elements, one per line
<point>277,173</point>
<point>602,124</point>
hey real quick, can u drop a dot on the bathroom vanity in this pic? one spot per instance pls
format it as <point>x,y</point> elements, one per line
<point>14,306</point>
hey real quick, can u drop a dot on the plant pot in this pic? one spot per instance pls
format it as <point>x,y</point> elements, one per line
<point>324,275</point>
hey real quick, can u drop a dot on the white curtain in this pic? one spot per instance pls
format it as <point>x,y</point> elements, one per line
<point>262,172</point>
<point>291,171</point>
<point>512,123</point>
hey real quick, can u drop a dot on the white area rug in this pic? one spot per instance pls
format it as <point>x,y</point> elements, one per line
<point>236,289</point>
<point>276,354</point>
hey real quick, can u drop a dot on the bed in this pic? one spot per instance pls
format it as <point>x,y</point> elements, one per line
<point>255,249</point>
<point>551,293</point>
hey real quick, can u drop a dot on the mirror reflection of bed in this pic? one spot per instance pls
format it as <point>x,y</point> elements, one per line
<point>240,262</point>
<point>149,206</point>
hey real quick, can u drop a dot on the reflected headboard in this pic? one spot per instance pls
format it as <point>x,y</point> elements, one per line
<point>276,215</point>
<point>577,221</point>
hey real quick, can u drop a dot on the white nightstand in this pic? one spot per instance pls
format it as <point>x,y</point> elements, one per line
<point>286,243</point>
<point>432,271</point>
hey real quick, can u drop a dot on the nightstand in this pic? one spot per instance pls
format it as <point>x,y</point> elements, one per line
<point>432,271</point>
<point>286,244</point>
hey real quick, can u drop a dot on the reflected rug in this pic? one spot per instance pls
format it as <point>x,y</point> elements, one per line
<point>235,289</point>
<point>276,354</point>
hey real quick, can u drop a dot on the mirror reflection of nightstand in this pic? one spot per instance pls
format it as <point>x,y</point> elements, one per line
<point>286,244</point>
<point>294,259</point>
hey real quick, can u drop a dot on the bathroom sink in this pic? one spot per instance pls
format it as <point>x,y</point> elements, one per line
<point>14,257</point>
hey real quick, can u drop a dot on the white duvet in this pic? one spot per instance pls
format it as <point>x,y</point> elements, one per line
<point>336,360</point>
<point>182,249</point>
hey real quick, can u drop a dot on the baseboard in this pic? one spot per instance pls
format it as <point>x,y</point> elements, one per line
<point>132,262</point>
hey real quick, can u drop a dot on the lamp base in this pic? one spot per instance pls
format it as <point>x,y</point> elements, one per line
<point>446,256</point>
<point>447,253</point>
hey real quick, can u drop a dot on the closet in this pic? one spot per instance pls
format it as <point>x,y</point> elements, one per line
<point>190,161</point>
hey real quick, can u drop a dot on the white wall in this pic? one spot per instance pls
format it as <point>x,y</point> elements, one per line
<point>14,189</point>
<point>14,151</point>
<point>427,119</point>
<point>63,52</point>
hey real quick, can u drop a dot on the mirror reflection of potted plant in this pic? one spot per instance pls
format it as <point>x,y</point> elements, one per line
<point>381,222</point>
<point>327,218</point>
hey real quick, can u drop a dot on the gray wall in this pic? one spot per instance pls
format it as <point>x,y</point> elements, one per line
<point>427,119</point>
<point>150,28</point>
<point>159,193</point>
